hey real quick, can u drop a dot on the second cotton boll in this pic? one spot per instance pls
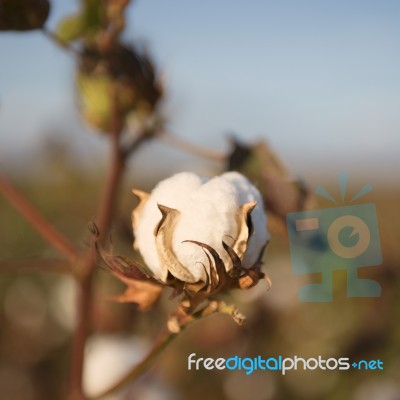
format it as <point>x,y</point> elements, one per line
<point>226,208</point>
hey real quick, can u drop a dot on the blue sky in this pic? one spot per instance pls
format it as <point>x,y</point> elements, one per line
<point>318,79</point>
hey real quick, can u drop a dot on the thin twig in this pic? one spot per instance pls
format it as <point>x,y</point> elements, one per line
<point>177,142</point>
<point>166,338</point>
<point>40,223</point>
<point>131,147</point>
<point>178,321</point>
<point>58,42</point>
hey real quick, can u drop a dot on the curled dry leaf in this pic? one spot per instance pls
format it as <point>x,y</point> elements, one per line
<point>220,279</point>
<point>144,293</point>
<point>245,230</point>
<point>163,234</point>
<point>142,289</point>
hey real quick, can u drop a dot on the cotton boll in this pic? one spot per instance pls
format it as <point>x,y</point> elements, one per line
<point>209,212</point>
<point>208,217</point>
<point>108,357</point>
<point>247,193</point>
<point>173,193</point>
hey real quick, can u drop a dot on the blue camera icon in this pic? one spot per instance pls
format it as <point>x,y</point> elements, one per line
<point>338,238</point>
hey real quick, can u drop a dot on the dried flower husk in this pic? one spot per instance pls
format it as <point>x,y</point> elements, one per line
<point>23,15</point>
<point>281,193</point>
<point>121,73</point>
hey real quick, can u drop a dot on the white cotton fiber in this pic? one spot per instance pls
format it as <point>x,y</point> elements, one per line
<point>209,213</point>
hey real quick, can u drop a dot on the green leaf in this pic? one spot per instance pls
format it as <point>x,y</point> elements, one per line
<point>71,28</point>
<point>86,23</point>
<point>93,12</point>
<point>95,100</point>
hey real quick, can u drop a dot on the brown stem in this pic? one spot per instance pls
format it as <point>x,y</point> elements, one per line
<point>35,265</point>
<point>84,301</point>
<point>106,207</point>
<point>86,273</point>
<point>166,338</point>
<point>41,224</point>
<point>179,320</point>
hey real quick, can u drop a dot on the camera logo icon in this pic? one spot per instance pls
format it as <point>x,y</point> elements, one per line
<point>338,238</point>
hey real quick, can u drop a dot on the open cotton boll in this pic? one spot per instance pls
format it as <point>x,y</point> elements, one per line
<point>209,216</point>
<point>173,193</point>
<point>209,212</point>
<point>108,357</point>
<point>247,193</point>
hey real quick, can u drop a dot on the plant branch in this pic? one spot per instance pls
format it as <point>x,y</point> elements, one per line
<point>86,273</point>
<point>166,338</point>
<point>35,265</point>
<point>40,223</point>
<point>177,322</point>
<point>131,147</point>
<point>58,42</point>
<point>177,142</point>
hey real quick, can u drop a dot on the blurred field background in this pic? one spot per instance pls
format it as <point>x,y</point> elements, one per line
<point>319,82</point>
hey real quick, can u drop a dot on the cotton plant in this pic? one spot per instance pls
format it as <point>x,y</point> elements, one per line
<point>198,235</point>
